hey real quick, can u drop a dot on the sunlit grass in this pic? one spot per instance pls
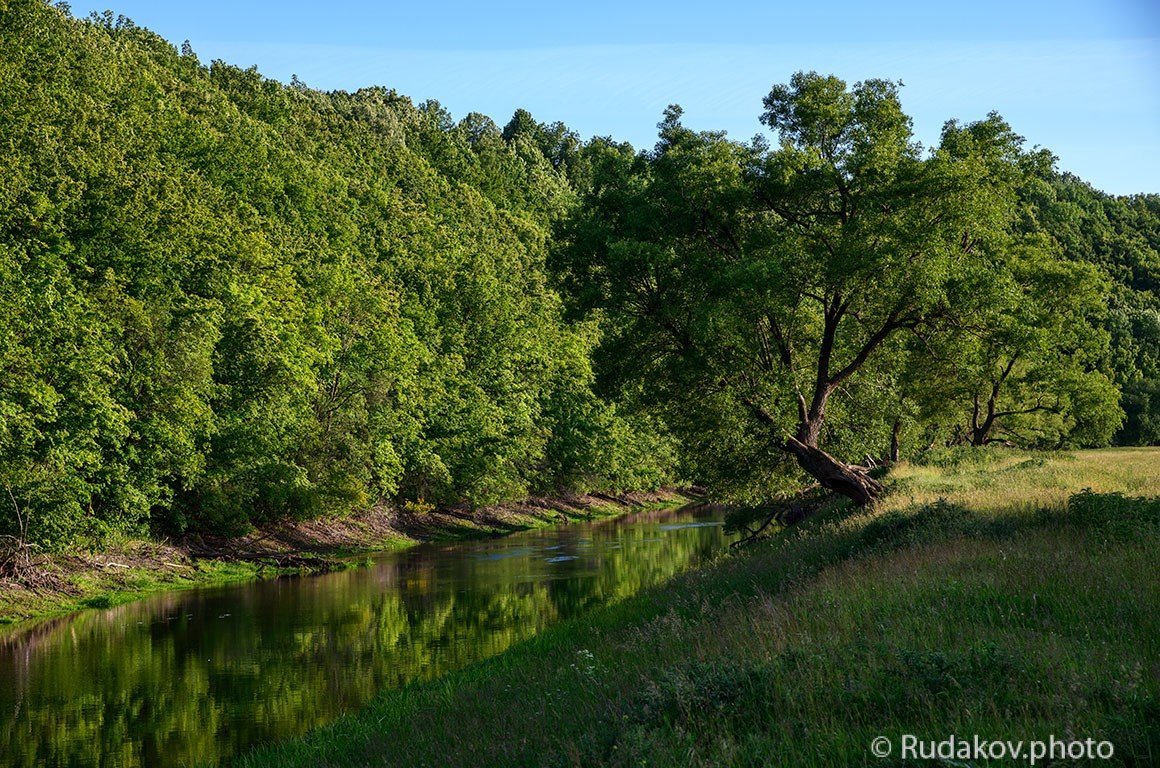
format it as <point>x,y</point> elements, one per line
<point>1017,482</point>
<point>975,600</point>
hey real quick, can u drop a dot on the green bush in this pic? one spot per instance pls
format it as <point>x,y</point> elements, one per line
<point>1113,513</point>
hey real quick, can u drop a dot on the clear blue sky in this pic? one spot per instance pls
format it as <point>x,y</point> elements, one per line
<point>1080,77</point>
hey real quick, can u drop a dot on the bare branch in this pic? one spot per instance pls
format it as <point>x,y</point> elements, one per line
<point>890,325</point>
<point>1033,409</point>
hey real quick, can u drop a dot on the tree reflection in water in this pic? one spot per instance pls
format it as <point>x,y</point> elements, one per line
<point>201,675</point>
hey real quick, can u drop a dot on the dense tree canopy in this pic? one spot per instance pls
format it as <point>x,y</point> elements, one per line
<point>226,301</point>
<point>1120,236</point>
<point>776,295</point>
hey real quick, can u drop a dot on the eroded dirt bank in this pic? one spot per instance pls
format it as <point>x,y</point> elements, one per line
<point>47,585</point>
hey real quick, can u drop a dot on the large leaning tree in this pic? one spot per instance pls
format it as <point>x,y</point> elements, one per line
<point>761,294</point>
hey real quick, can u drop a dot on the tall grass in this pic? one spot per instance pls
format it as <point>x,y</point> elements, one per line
<point>996,599</point>
<point>1000,481</point>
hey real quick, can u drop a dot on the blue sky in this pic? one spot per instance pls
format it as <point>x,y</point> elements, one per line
<point>1081,78</point>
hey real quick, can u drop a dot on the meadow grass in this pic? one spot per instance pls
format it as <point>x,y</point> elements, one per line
<point>996,598</point>
<point>1000,482</point>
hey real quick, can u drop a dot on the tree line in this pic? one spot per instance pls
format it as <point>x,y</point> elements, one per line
<point>848,292</point>
<point>226,301</point>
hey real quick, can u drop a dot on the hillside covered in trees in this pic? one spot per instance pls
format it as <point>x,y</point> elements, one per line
<point>226,301</point>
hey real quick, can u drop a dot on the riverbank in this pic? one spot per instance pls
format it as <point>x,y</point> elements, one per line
<point>1002,595</point>
<point>63,583</point>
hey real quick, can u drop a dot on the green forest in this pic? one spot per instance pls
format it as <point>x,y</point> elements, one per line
<point>227,301</point>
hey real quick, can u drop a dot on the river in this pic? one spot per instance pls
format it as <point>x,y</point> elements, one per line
<point>200,675</point>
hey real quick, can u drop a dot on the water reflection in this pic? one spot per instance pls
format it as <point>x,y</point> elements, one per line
<point>201,675</point>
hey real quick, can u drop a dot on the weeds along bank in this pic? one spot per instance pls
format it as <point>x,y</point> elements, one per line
<point>994,598</point>
<point>126,571</point>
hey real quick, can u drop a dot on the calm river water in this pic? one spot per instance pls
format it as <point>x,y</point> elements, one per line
<point>201,675</point>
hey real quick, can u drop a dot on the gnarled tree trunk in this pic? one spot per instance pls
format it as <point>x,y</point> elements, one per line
<point>846,479</point>
<point>836,475</point>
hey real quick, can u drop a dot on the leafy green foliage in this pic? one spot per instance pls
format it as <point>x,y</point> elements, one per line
<point>1119,236</point>
<point>227,301</point>
<point>840,288</point>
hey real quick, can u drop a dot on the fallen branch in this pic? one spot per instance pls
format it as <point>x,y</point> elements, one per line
<point>784,513</point>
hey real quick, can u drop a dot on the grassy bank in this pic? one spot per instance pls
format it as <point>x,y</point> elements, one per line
<point>995,598</point>
<point>67,582</point>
